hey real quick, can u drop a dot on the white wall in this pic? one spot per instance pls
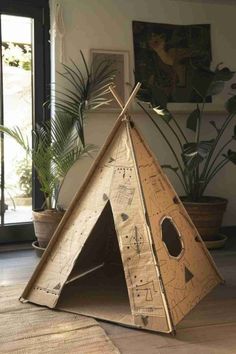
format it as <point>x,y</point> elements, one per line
<point>107,24</point>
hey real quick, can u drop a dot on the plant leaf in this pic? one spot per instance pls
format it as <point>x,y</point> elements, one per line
<point>156,97</point>
<point>195,153</point>
<point>224,74</point>
<point>231,156</point>
<point>215,88</point>
<point>175,169</point>
<point>144,95</point>
<point>209,83</point>
<point>202,148</point>
<point>202,79</point>
<point>159,98</point>
<point>234,136</point>
<point>213,123</point>
<point>193,119</point>
<point>164,113</point>
<point>83,91</point>
<point>230,105</point>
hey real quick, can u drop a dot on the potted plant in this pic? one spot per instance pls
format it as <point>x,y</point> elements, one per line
<point>24,171</point>
<point>59,142</point>
<point>198,160</point>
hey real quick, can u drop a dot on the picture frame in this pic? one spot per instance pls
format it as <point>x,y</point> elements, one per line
<point>120,60</point>
<point>167,42</point>
<point>167,54</point>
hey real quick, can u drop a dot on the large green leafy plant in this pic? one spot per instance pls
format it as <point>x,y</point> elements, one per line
<point>197,160</point>
<point>58,143</point>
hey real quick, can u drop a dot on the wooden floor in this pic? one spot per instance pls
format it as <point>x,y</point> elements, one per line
<point>209,329</point>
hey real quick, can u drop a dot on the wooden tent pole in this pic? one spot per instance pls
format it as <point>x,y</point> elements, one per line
<point>126,106</point>
<point>116,96</point>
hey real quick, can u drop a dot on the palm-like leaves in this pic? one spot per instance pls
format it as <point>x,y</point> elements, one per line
<point>59,143</point>
<point>198,160</point>
<point>56,147</point>
<point>84,91</point>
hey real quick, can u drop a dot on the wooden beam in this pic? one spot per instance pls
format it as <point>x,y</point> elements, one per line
<point>133,94</point>
<point>116,96</point>
<point>119,101</point>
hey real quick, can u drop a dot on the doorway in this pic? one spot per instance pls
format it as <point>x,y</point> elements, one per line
<point>97,285</point>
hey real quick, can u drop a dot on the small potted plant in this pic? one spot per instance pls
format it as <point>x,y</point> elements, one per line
<point>24,171</point>
<point>59,142</point>
<point>198,160</point>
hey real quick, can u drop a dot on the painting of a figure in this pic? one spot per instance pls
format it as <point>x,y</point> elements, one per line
<point>166,56</point>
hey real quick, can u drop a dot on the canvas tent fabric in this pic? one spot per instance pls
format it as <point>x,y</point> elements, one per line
<point>126,250</point>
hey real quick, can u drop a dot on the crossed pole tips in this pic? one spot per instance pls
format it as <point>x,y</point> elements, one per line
<point>120,103</point>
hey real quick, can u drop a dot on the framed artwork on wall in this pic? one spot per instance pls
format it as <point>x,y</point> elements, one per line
<point>167,55</point>
<point>120,63</point>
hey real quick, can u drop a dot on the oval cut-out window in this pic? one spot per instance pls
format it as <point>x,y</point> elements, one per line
<point>171,238</point>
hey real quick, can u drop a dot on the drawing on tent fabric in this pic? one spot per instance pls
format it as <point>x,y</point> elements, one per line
<point>157,190</point>
<point>148,289</point>
<point>134,258</point>
<point>111,160</point>
<point>105,197</point>
<point>136,240</point>
<point>57,287</point>
<point>126,172</point>
<point>124,195</point>
<point>154,206</point>
<point>156,184</point>
<point>146,297</point>
<point>124,216</point>
<point>188,275</point>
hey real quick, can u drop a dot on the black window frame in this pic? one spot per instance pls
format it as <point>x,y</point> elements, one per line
<point>39,11</point>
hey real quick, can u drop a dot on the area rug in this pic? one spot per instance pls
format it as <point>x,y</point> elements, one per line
<point>26,328</point>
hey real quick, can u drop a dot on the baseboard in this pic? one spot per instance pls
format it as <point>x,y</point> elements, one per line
<point>19,246</point>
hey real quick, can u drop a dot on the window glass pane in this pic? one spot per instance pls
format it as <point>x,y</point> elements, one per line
<point>17,111</point>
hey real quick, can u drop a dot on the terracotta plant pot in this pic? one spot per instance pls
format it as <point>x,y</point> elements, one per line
<point>39,250</point>
<point>207,215</point>
<point>45,223</point>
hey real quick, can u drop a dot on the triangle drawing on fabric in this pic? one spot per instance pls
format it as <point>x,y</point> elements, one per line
<point>188,274</point>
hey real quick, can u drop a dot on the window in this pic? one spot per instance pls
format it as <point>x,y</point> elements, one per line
<point>24,87</point>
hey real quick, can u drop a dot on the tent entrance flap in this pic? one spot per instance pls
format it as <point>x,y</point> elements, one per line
<point>97,286</point>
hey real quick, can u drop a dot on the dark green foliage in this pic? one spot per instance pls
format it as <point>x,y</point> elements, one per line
<point>209,83</point>
<point>231,156</point>
<point>195,153</point>
<point>198,160</point>
<point>230,105</point>
<point>193,119</point>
